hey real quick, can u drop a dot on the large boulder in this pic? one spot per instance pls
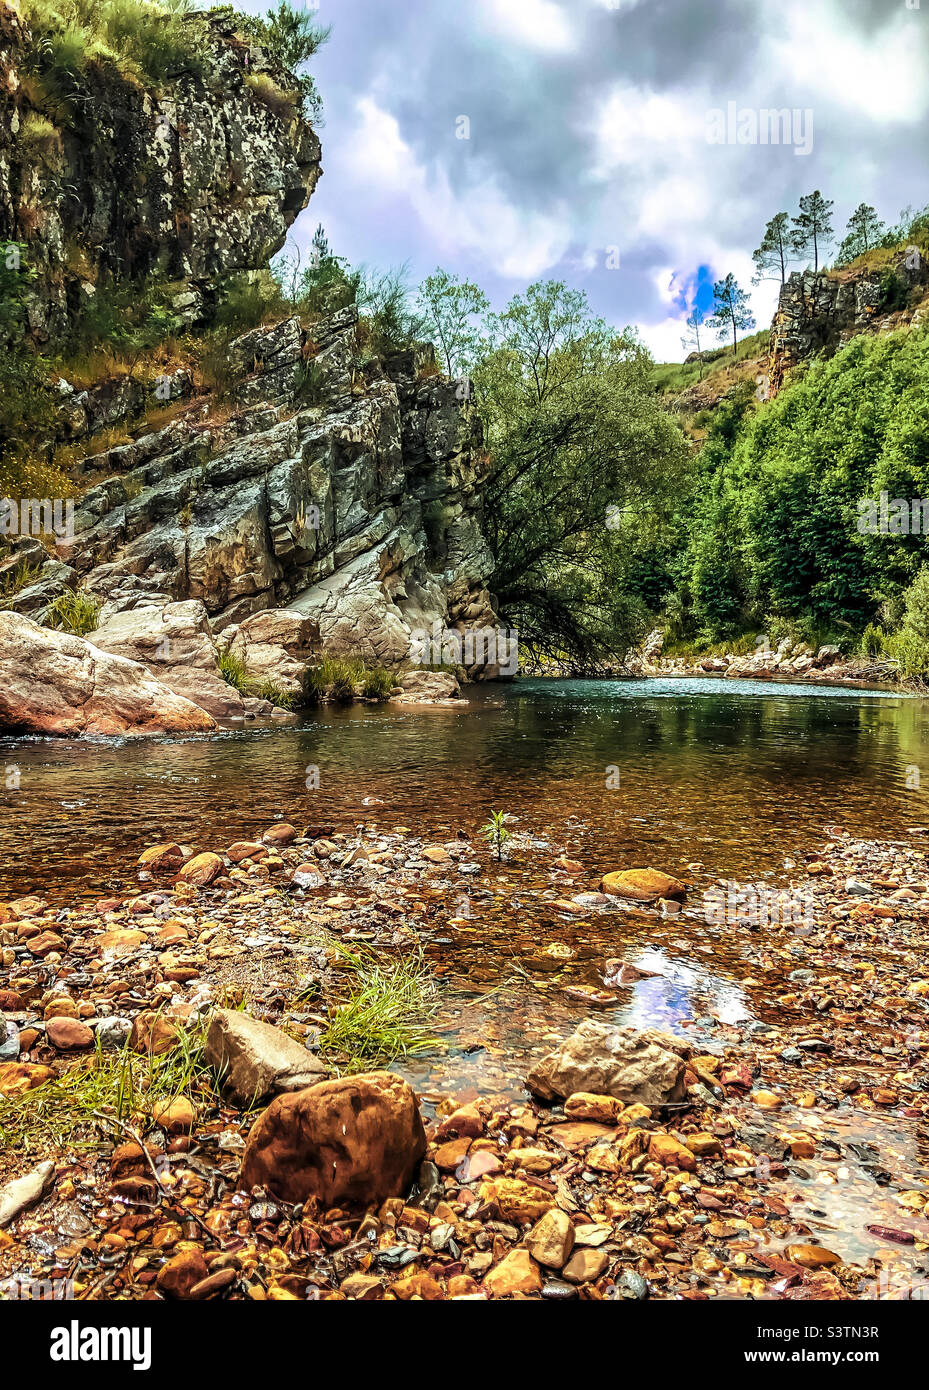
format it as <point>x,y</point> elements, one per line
<point>54,683</point>
<point>254,1059</point>
<point>630,1065</point>
<point>175,642</point>
<point>277,645</point>
<point>355,1141</point>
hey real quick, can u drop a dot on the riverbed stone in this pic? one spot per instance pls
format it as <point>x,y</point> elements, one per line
<point>254,1059</point>
<point>551,1239</point>
<point>632,1066</point>
<point>356,1141</point>
<point>643,885</point>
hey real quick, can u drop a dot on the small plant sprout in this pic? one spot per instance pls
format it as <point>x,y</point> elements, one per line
<point>496,833</point>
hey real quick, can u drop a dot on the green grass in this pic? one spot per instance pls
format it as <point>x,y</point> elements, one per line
<point>386,1014</point>
<point>267,689</point>
<point>74,611</point>
<point>232,670</point>
<point>123,1087</point>
<point>673,377</point>
<point>377,684</point>
<point>334,679</point>
<point>15,580</point>
<point>906,649</point>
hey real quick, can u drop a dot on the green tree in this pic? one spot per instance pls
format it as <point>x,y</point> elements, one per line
<point>690,342</point>
<point>450,309</point>
<point>774,251</point>
<point>864,231</point>
<point>292,37</point>
<point>580,450</point>
<point>731,309</point>
<point>812,227</point>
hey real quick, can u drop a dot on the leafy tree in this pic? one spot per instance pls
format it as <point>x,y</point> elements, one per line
<point>731,309</point>
<point>864,231</point>
<point>774,251</point>
<point>580,450</point>
<point>690,342</point>
<point>449,307</point>
<point>812,226</point>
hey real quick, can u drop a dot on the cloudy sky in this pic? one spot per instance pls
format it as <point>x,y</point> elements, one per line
<point>587,138</point>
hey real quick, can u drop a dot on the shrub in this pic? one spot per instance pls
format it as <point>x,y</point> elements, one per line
<point>377,684</point>
<point>75,611</point>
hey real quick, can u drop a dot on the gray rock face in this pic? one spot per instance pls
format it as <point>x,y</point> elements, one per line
<point>820,311</point>
<point>633,1066</point>
<point>57,684</point>
<point>195,177</point>
<point>254,1059</point>
<point>359,514</point>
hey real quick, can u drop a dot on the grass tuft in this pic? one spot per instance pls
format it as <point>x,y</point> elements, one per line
<point>386,1013</point>
<point>74,611</point>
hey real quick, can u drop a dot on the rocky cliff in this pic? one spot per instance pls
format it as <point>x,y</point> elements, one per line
<point>819,312</point>
<point>338,488</point>
<point>193,178</point>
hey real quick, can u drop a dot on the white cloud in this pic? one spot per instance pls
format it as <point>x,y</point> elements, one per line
<point>477,217</point>
<point>534,23</point>
<point>884,79</point>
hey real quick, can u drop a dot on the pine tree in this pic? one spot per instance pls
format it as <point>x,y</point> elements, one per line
<point>864,231</point>
<point>690,342</point>
<point>813,226</point>
<point>774,250</point>
<point>731,309</point>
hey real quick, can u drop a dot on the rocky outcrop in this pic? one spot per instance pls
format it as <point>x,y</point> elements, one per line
<point>359,513</point>
<point>175,642</point>
<point>193,178</point>
<point>54,683</point>
<point>356,1141</point>
<point>631,1066</point>
<point>818,312</point>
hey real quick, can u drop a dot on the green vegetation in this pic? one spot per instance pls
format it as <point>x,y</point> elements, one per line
<point>75,611</point>
<point>496,833</point>
<point>386,1013</point>
<point>14,581</point>
<point>234,672</point>
<point>111,1090</point>
<point>776,531</point>
<point>377,684</point>
<point>292,37</point>
<point>144,39</point>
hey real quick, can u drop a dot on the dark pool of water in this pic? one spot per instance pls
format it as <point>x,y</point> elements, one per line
<point>734,774</point>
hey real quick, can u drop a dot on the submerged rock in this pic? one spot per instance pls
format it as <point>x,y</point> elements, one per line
<point>644,885</point>
<point>621,1062</point>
